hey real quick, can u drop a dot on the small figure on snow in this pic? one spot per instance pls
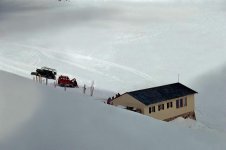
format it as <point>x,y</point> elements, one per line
<point>84,89</point>
<point>117,95</point>
<point>109,100</point>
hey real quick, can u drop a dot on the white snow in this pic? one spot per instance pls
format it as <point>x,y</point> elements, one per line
<point>134,45</point>
<point>122,46</point>
<point>211,100</point>
<point>35,116</point>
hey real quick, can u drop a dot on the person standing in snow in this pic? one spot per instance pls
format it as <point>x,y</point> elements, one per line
<point>84,89</point>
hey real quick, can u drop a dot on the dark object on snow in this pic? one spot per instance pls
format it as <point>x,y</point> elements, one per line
<point>84,89</point>
<point>109,100</point>
<point>45,72</point>
<point>64,81</point>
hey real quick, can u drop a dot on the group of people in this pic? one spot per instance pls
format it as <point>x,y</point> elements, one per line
<point>110,99</point>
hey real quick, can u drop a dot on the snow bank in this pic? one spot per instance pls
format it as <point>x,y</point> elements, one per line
<point>211,100</point>
<point>36,117</point>
<point>122,47</point>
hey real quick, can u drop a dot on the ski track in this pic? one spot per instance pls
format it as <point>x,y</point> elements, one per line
<point>27,58</point>
<point>102,62</point>
<point>38,52</point>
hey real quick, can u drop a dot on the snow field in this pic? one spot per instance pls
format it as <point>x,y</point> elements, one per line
<point>122,46</point>
<point>49,118</point>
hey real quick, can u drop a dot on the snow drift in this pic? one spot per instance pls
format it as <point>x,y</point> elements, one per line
<point>122,46</point>
<point>211,100</point>
<point>41,117</point>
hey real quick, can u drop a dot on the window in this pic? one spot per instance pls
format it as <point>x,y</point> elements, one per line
<point>185,101</point>
<point>151,109</point>
<point>161,106</point>
<point>177,103</point>
<point>169,105</point>
<point>181,102</point>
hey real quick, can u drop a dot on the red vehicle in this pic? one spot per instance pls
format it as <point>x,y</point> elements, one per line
<point>64,81</point>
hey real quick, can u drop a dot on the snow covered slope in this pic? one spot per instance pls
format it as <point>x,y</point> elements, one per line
<point>211,100</point>
<point>122,46</point>
<point>136,45</point>
<point>35,116</point>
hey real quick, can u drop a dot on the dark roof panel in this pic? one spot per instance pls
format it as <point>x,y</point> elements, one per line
<point>161,93</point>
